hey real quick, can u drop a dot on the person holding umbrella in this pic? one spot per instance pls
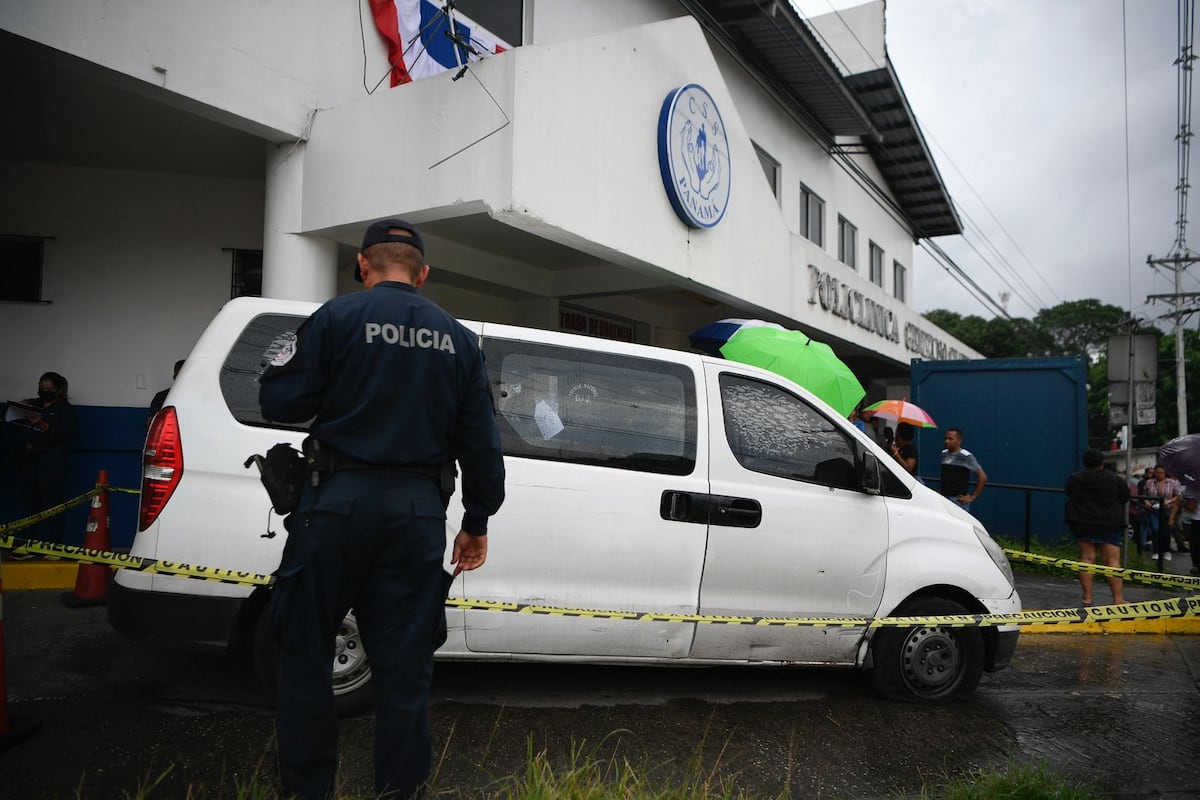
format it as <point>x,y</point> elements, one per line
<point>1095,513</point>
<point>903,449</point>
<point>908,417</point>
<point>1181,457</point>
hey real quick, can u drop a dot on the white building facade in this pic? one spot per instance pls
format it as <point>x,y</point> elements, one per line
<point>157,152</point>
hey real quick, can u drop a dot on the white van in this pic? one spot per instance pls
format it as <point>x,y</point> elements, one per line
<point>639,479</point>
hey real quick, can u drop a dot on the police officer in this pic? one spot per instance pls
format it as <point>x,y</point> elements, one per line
<point>39,456</point>
<point>399,392</point>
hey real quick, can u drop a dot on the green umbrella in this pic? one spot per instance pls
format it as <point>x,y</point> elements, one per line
<point>801,360</point>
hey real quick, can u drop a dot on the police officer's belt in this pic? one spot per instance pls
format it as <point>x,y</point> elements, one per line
<point>338,462</point>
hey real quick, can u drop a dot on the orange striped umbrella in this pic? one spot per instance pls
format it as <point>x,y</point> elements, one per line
<point>900,411</point>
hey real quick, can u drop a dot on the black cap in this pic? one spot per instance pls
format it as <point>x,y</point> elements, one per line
<point>379,232</point>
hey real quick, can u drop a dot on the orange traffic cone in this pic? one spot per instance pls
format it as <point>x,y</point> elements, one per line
<point>15,728</point>
<point>91,581</point>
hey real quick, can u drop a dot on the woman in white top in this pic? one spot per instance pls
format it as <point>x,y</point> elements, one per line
<point>1162,511</point>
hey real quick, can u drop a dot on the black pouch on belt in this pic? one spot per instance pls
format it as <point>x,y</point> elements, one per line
<point>283,471</point>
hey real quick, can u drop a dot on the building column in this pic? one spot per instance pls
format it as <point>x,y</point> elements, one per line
<point>295,266</point>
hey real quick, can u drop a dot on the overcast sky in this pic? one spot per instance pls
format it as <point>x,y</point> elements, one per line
<point>1022,103</point>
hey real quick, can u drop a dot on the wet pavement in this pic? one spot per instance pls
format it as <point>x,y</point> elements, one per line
<point>1119,712</point>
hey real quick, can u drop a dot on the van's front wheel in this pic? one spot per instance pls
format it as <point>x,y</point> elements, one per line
<point>927,663</point>
<point>351,668</point>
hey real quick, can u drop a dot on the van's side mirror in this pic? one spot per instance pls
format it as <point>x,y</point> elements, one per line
<point>870,477</point>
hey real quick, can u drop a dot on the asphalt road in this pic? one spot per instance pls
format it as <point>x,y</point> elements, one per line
<point>1119,712</point>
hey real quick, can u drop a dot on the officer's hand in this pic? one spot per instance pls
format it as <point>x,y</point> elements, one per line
<point>469,552</point>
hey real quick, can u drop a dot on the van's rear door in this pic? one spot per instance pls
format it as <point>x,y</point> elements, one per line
<point>596,434</point>
<point>818,546</point>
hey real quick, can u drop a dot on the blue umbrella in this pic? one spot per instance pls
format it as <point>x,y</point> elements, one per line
<point>714,335</point>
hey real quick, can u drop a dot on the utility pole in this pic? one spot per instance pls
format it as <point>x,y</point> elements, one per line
<point>1180,313</point>
<point>1181,257</point>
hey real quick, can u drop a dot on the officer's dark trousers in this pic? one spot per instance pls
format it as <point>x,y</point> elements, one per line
<point>41,484</point>
<point>374,542</point>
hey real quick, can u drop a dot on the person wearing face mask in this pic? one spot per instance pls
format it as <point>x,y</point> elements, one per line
<point>39,454</point>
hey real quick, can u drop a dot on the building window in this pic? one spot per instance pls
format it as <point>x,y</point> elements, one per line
<point>607,410</point>
<point>812,216</point>
<point>770,168</point>
<point>776,433</point>
<point>847,243</point>
<point>21,269</point>
<point>247,273</point>
<point>899,276</point>
<point>501,17</point>
<point>876,263</point>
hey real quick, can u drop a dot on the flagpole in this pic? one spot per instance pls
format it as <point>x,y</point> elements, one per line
<point>448,10</point>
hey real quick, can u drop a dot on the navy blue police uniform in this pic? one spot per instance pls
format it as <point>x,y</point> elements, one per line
<point>40,457</point>
<point>396,387</point>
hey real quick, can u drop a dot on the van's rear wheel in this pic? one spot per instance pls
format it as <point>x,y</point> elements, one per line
<point>927,663</point>
<point>351,668</point>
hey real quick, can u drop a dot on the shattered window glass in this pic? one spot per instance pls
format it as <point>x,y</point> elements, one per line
<point>777,433</point>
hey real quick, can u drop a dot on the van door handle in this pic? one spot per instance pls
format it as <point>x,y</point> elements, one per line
<point>685,506</point>
<point>736,512</point>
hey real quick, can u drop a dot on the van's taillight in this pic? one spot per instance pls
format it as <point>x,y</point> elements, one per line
<point>162,465</point>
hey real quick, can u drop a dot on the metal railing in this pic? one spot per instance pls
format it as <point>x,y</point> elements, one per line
<point>1132,521</point>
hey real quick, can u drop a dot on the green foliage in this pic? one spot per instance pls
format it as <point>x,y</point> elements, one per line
<point>995,338</point>
<point>1083,328</point>
<point>1031,782</point>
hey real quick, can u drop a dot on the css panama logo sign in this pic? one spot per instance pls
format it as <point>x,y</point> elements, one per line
<point>693,156</point>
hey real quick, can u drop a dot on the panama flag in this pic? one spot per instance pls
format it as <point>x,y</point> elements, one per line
<point>418,40</point>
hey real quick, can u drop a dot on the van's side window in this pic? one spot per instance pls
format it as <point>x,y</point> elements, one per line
<point>775,432</point>
<point>586,407</point>
<point>246,361</point>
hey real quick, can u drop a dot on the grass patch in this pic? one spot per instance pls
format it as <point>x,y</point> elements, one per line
<point>1065,548</point>
<point>584,774</point>
<point>1030,782</point>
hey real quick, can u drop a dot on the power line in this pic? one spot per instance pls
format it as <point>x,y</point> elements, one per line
<point>1187,22</point>
<point>1180,257</point>
<point>992,214</point>
<point>1036,303</point>
<point>956,272</point>
<point>1025,290</point>
<point>1128,182</point>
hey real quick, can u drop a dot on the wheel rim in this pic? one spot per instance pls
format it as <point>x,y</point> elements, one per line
<point>351,670</point>
<point>932,661</point>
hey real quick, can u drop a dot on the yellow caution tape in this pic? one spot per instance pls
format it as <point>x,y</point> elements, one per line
<point>84,555</point>
<point>1137,575</point>
<point>34,519</point>
<point>1150,609</point>
<point>107,488</point>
